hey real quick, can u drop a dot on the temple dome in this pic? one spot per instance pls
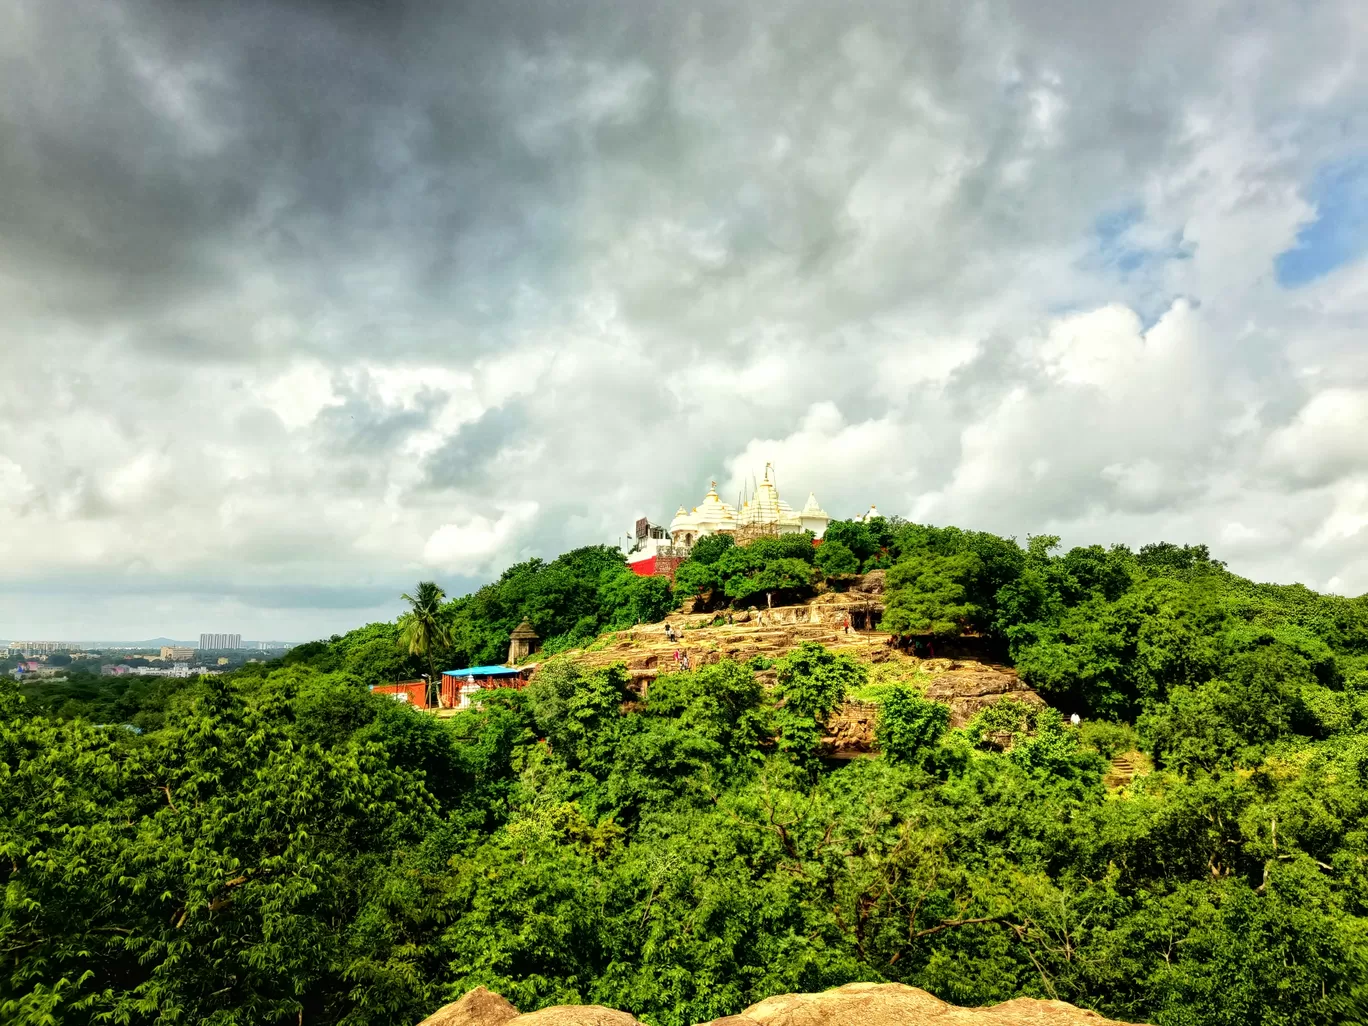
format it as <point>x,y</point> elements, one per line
<point>765,507</point>
<point>763,513</point>
<point>812,517</point>
<point>715,514</point>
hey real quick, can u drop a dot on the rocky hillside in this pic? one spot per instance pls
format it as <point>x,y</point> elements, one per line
<point>855,1004</point>
<point>964,682</point>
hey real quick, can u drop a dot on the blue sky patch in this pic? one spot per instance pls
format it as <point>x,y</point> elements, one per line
<point>1339,234</point>
<point>1121,252</point>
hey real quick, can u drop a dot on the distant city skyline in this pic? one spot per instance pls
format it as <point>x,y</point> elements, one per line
<point>47,646</point>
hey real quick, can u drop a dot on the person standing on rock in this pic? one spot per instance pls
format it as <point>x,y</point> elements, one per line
<point>669,632</point>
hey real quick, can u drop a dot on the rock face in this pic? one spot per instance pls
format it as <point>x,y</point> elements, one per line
<point>893,1004</point>
<point>965,684</point>
<point>577,1015</point>
<point>479,1007</point>
<point>850,731</point>
<point>969,687</point>
<point>855,1004</point>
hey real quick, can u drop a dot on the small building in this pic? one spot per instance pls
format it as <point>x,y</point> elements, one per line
<point>650,552</point>
<point>522,643</point>
<point>456,688</point>
<point>408,692</point>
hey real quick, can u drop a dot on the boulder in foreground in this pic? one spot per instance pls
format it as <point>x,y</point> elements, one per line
<point>479,1007</point>
<point>895,1004</point>
<point>855,1004</point>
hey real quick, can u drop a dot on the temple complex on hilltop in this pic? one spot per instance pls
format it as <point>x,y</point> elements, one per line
<point>654,550</point>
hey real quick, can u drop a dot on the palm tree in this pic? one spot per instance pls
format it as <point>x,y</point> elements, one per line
<point>421,629</point>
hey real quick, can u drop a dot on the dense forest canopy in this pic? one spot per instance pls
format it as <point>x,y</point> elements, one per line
<point>282,845</point>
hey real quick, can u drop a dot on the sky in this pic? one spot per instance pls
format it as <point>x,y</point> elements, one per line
<point>304,302</point>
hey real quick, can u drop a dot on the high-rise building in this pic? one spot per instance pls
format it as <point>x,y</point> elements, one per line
<point>32,648</point>
<point>220,641</point>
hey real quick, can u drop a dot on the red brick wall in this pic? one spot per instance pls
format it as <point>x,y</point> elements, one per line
<point>415,689</point>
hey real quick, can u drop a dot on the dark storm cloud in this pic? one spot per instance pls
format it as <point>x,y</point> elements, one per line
<point>471,456</point>
<point>303,289</point>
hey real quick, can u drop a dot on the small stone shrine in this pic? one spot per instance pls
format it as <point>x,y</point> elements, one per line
<point>522,643</point>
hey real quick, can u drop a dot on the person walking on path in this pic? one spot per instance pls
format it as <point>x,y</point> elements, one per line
<point>669,632</point>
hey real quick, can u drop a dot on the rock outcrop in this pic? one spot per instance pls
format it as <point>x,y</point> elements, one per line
<point>968,687</point>
<point>855,1004</point>
<point>479,1007</point>
<point>965,683</point>
<point>894,1004</point>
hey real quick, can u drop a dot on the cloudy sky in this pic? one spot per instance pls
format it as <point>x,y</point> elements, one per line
<point>301,302</point>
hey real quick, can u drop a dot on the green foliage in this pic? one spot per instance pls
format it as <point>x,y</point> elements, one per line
<point>785,578</point>
<point>1006,716</point>
<point>783,546</point>
<point>568,601</point>
<point>695,578</point>
<point>422,630</point>
<point>778,569</point>
<point>928,594</point>
<point>836,560</point>
<point>284,845</point>
<point>1108,739</point>
<point>626,600</point>
<point>811,685</point>
<point>851,535</point>
<point>813,681</point>
<point>221,871</point>
<point>708,549</point>
<point>909,725</point>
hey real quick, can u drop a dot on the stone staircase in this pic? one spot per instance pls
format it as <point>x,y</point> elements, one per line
<point>1126,767</point>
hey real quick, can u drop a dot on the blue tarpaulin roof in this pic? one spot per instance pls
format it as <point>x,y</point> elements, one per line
<point>483,671</point>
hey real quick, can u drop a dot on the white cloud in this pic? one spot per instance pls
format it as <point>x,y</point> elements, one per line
<point>474,542</point>
<point>499,294</point>
<point>1327,438</point>
<point>825,455</point>
<point>298,395</point>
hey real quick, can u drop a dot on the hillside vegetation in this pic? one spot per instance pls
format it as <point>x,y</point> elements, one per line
<point>283,846</point>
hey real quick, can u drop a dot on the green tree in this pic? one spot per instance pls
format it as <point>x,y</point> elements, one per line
<point>708,549</point>
<point>836,560</point>
<point>927,594</point>
<point>852,535</point>
<point>422,629</point>
<point>908,725</point>
<point>812,683</point>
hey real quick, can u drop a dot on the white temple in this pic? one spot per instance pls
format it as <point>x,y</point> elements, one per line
<point>763,513</point>
<point>865,518</point>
